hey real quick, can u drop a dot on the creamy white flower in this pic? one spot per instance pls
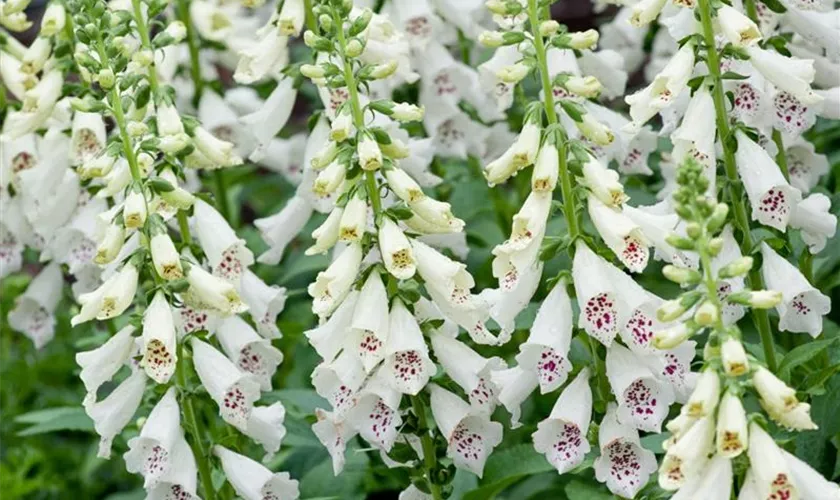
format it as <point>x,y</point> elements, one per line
<point>469,370</point>
<point>354,220</point>
<point>514,385</point>
<point>159,342</point>
<point>739,29</point>
<point>771,197</point>
<point>695,138</point>
<point>407,365</point>
<point>177,482</point>
<point>87,138</point>
<point>100,364</point>
<point>562,437</point>
<point>768,466</point>
<point>603,183</point>
<point>507,302</point>
<point>471,437</point>
<point>780,401</point>
<point>731,430</point>
<point>333,284</point>
<point>733,357</point>
<point>326,235</point>
<point>436,213</point>
<point>280,229</point>
<point>150,454</point>
<point>111,299</point>
<point>333,433</point>
<point>805,166</point>
<point>264,303</point>
<point>646,11</point>
<point>729,253</point>
<point>248,350</point>
<point>802,306</point>
<point>329,338</point>
<point>17,81</point>
<point>38,104</point>
<point>165,257</point>
<point>33,312</point>
<point>265,426</point>
<point>114,412</point>
<point>341,127</point>
<point>547,349</point>
<point>264,56</point>
<point>705,397</point>
<point>595,131</point>
<point>53,20</point>
<point>623,236</point>
<point>813,217</point>
<point>520,252</point>
<point>338,381</point>
<point>396,251</point>
<point>546,169</point>
<point>329,179</point>
<point>643,399</point>
<point>624,465</point>
<point>596,295</point>
<point>789,74</point>
<point>714,481</point>
<point>253,481</point>
<point>270,118</point>
<point>686,458</point>
<point>210,292</point>
<point>370,156</point>
<point>369,329</point>
<point>809,483</point>
<point>233,390</point>
<point>664,89</point>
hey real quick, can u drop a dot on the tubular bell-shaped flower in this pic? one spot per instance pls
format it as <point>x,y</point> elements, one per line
<point>624,465</point>
<point>470,370</point>
<point>252,480</point>
<point>547,348</point>
<point>159,351</point>
<point>643,400</point>
<point>151,453</point>
<point>249,351</point>
<point>562,437</point>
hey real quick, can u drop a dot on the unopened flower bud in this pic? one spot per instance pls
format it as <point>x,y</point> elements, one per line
<point>106,78</point>
<point>143,57</point>
<point>582,40</point>
<point>405,112</point>
<point>137,129</point>
<point>312,71</point>
<point>587,86</point>
<point>715,246</point>
<point>760,299</point>
<point>671,337</point>
<point>718,217</point>
<point>354,48</point>
<point>514,73</point>
<point>673,309</point>
<point>706,314</point>
<point>681,275</point>
<point>738,267</point>
<point>548,28</point>
<point>693,230</point>
<point>680,242</point>
<point>734,357</point>
<point>491,39</point>
<point>370,156</point>
<point>177,30</point>
<point>384,70</point>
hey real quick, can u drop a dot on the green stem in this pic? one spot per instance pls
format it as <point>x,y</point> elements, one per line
<point>184,226</point>
<point>221,193</point>
<point>781,159</point>
<point>183,12</point>
<point>146,43</point>
<point>760,317</point>
<point>429,456</point>
<point>311,22</point>
<point>569,209</point>
<point>201,455</point>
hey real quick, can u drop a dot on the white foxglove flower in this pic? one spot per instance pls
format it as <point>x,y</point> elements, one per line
<point>813,217</point>
<point>291,18</point>
<point>643,13</point>
<point>705,396</point>
<point>286,157</point>
<point>159,341</point>
<point>264,303</point>
<point>789,74</point>
<point>280,229</point>
<point>595,131</point>
<point>333,284</point>
<point>643,399</point>
<point>596,295</point>
<point>135,209</point>
<point>218,152</point>
<point>407,364</point>
<point>520,252</point>
<point>603,183</point>
<point>714,481</point>
<point>99,365</point>
<point>111,299</point>
<point>739,29</point>
<point>687,457</point>
<point>87,138</point>
<point>114,412</point>
<point>656,228</point>
<point>53,20</point>
<point>805,166</point>
<point>731,430</point>
<point>802,306</point>
<point>338,381</point>
<point>623,236</point>
<point>546,169</point>
<point>470,437</point>
<point>354,220</point>
<point>470,370</point>
<point>326,235</point>
<point>608,67</point>
<point>770,472</point>
<point>233,390</point>
<point>266,55</point>
<point>780,402</point>
<point>403,185</point>
<point>370,156</point>
<point>177,482</point>
<point>734,357</point>
<point>501,91</point>
<point>165,257</point>
<point>265,426</point>
<point>396,251</point>
<point>33,313</point>
<point>436,213</point>
<point>663,90</point>
<point>369,329</point>
<point>211,292</point>
<point>38,104</point>
<point>507,302</point>
<point>547,349</point>
<point>772,198</point>
<point>333,434</point>
<point>253,481</point>
<point>695,138</point>
<point>624,465</point>
<point>270,118</point>
<point>809,483</point>
<point>376,414</point>
<point>514,385</point>
<point>250,352</point>
<point>150,454</point>
<point>449,284</point>
<point>328,338</point>
<point>16,80</point>
<point>562,437</point>
<point>730,252</point>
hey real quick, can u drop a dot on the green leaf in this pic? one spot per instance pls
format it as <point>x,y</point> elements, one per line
<point>801,355</point>
<point>775,5</point>
<point>507,466</point>
<point>55,419</point>
<point>580,490</point>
